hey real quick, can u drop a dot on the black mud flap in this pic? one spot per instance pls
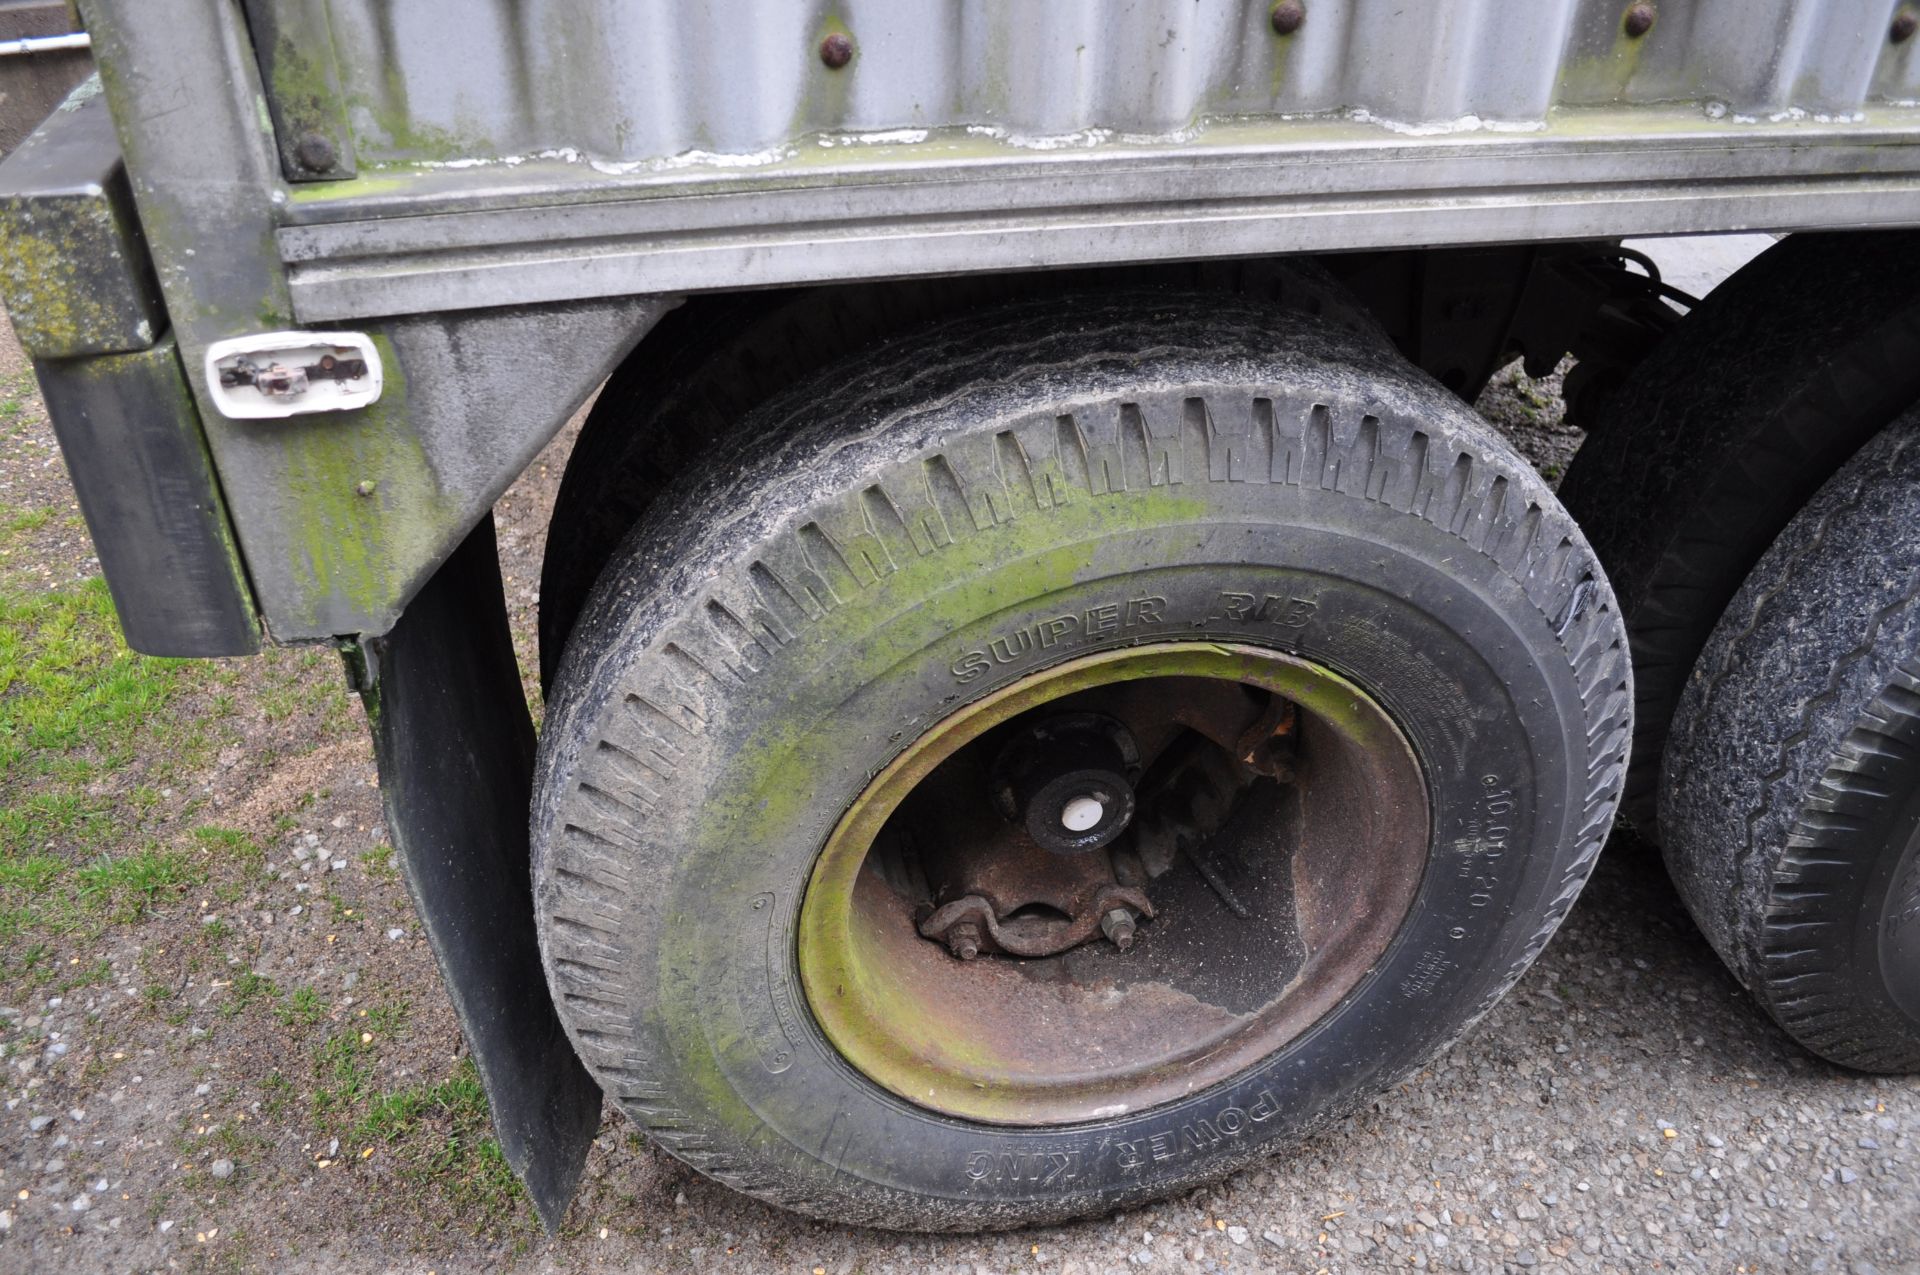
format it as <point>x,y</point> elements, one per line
<point>454,743</point>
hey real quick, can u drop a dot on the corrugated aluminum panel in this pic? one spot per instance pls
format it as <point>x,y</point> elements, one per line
<point>640,81</point>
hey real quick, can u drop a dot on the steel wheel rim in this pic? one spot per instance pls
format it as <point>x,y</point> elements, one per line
<point>927,1032</point>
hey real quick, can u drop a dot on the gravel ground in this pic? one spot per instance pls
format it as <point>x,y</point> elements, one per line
<point>1627,1108</point>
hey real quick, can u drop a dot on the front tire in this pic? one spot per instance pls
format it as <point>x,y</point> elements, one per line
<point>956,517</point>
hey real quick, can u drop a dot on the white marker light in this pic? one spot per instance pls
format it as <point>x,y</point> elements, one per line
<point>279,374</point>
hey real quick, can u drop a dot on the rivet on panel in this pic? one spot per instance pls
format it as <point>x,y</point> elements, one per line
<point>1905,23</point>
<point>836,50</point>
<point>367,486</point>
<point>1639,20</point>
<point>315,152</point>
<point>1287,16</point>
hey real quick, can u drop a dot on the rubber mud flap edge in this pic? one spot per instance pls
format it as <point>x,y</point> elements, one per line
<point>454,746</point>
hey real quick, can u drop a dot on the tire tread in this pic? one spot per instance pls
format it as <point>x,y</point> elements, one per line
<point>1818,657</point>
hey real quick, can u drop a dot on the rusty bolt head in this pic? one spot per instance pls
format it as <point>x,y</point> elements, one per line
<point>836,50</point>
<point>315,152</point>
<point>963,940</point>
<point>1639,20</point>
<point>1905,22</point>
<point>1117,925</point>
<point>1287,16</point>
<point>366,487</point>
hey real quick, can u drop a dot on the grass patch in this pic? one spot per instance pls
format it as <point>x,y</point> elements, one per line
<point>248,988</point>
<point>30,874</point>
<point>91,976</point>
<point>379,864</point>
<point>30,965</point>
<point>68,680</point>
<point>303,1009</point>
<point>230,843</point>
<point>16,393</point>
<point>341,1062</point>
<point>292,681</point>
<point>14,521</point>
<point>74,701</point>
<point>387,1017</point>
<point>279,1093</point>
<point>125,888</point>
<point>438,1134</point>
<point>50,820</point>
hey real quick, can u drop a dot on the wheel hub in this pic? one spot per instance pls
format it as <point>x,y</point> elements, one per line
<point>1068,778</point>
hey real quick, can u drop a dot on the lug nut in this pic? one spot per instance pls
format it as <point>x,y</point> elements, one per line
<point>963,940</point>
<point>1117,925</point>
<point>1639,20</point>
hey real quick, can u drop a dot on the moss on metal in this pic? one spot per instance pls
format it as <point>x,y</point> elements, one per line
<point>73,271</point>
<point>47,260</point>
<point>1604,78</point>
<point>404,138</point>
<point>381,181</point>
<point>826,92</point>
<point>353,551</point>
<point>302,86</point>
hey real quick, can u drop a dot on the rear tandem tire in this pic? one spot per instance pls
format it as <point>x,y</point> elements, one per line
<point>1791,790</point>
<point>916,529</point>
<point>1756,398</point>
